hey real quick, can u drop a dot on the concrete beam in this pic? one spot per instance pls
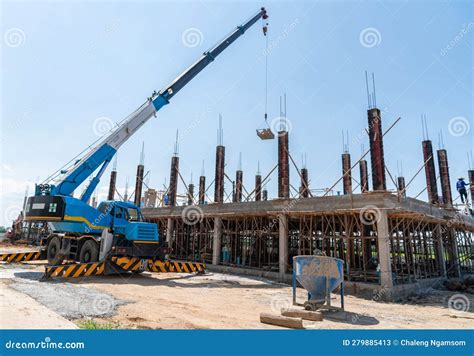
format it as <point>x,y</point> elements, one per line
<point>315,205</point>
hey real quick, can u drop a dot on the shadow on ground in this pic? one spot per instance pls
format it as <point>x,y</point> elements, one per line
<point>208,280</point>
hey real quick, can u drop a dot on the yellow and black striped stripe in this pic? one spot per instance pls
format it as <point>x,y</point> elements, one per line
<point>134,264</point>
<point>75,270</point>
<point>177,267</point>
<point>131,264</point>
<point>20,256</point>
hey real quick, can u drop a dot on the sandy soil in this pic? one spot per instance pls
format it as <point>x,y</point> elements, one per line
<point>216,301</point>
<point>220,301</point>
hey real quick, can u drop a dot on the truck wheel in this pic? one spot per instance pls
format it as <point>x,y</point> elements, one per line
<point>89,252</point>
<point>52,251</point>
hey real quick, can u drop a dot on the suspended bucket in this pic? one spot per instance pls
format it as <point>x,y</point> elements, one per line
<point>265,134</point>
<point>319,275</point>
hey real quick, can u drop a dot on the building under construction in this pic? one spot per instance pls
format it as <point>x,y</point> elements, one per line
<point>385,238</point>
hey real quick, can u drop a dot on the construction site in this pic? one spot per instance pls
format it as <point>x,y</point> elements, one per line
<point>385,238</point>
<point>228,250</point>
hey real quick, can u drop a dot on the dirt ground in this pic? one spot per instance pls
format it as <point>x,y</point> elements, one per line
<point>211,301</point>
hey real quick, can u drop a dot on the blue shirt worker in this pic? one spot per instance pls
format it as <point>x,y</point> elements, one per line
<point>461,188</point>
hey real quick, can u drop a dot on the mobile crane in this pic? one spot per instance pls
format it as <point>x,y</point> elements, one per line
<point>114,231</point>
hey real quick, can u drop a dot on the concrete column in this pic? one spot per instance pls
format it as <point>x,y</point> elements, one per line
<point>216,241</point>
<point>440,251</point>
<point>169,231</point>
<point>383,242</point>
<point>283,243</point>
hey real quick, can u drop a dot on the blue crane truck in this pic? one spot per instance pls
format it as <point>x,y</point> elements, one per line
<point>82,233</point>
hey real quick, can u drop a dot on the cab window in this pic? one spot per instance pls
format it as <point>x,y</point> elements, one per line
<point>104,208</point>
<point>120,213</point>
<point>133,214</point>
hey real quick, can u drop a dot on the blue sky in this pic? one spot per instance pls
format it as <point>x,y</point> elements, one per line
<point>67,65</point>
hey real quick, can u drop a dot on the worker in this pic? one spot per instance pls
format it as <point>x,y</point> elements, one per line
<point>461,188</point>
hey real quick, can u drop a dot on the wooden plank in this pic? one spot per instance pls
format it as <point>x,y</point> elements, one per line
<point>286,322</point>
<point>303,314</point>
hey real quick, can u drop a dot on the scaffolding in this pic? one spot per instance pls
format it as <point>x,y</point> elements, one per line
<point>384,240</point>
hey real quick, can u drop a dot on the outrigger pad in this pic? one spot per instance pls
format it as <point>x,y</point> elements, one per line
<point>177,267</point>
<point>120,265</point>
<point>22,256</point>
<point>74,270</point>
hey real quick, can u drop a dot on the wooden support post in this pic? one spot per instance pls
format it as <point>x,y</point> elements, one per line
<point>440,251</point>
<point>303,314</point>
<point>454,253</point>
<point>287,322</point>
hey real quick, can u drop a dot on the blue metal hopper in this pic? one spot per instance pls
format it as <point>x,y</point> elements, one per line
<point>319,275</point>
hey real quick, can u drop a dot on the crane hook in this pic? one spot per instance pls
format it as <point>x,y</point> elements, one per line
<point>264,23</point>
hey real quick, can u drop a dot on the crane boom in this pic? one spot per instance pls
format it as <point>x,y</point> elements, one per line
<point>102,154</point>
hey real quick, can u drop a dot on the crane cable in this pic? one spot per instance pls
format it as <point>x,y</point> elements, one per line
<point>265,29</point>
<point>266,79</point>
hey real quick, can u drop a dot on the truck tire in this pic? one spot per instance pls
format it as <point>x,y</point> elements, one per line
<point>89,252</point>
<point>52,251</point>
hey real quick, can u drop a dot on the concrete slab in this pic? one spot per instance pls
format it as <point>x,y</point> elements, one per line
<point>20,311</point>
